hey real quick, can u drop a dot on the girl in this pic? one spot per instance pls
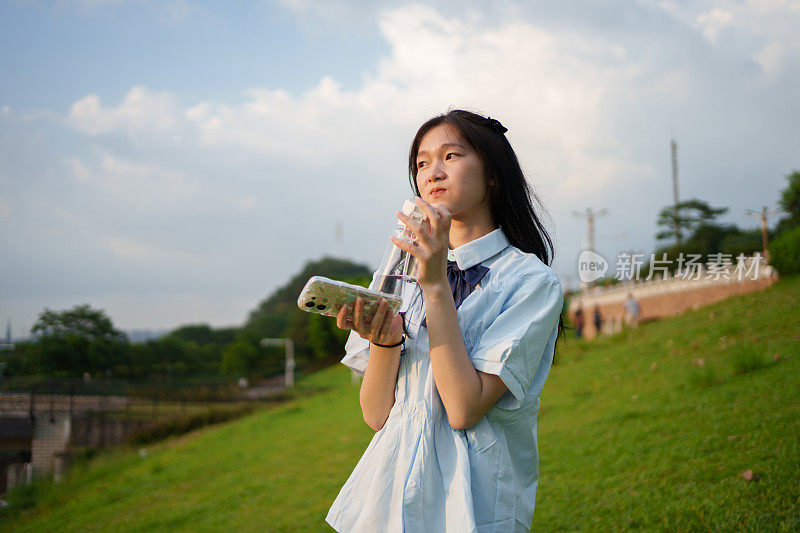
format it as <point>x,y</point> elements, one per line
<point>452,388</point>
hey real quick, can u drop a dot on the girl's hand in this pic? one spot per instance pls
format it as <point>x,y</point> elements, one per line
<point>382,329</point>
<point>432,243</point>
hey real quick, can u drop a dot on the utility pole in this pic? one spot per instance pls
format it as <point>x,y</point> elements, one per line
<point>590,216</point>
<point>290,364</point>
<point>8,344</point>
<point>674,148</point>
<point>338,234</point>
<point>764,233</point>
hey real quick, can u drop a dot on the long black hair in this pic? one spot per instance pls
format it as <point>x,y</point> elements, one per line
<point>510,195</point>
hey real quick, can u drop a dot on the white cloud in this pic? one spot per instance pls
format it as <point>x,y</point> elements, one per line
<point>552,89</point>
<point>771,6</point>
<point>769,58</point>
<point>715,21</point>
<point>141,110</point>
<point>767,28</point>
<point>560,91</point>
<point>143,186</point>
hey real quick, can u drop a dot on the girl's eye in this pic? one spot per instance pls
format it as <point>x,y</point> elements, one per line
<point>450,155</point>
<point>420,164</point>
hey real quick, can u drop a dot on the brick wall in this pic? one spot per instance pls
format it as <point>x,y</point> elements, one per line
<point>658,299</point>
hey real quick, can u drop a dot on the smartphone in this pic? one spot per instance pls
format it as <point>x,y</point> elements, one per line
<point>326,296</point>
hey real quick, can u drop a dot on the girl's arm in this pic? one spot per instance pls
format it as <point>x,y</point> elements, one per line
<point>467,394</point>
<point>380,377</point>
<point>377,388</point>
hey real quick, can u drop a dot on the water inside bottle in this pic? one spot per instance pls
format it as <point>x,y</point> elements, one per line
<point>399,268</point>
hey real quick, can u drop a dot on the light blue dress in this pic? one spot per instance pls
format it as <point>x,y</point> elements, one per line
<point>418,473</point>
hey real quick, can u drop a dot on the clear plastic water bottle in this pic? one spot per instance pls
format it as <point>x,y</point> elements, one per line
<point>399,268</point>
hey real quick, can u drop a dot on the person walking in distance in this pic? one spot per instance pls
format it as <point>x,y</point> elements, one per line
<point>632,310</point>
<point>580,320</point>
<point>598,320</point>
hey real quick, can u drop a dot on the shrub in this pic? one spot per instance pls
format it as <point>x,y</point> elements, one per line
<point>187,423</point>
<point>22,497</point>
<point>784,252</point>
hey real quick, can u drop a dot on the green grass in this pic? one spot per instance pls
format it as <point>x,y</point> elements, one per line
<point>650,429</point>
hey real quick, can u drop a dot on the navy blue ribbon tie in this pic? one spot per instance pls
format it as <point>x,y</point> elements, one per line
<point>462,282</point>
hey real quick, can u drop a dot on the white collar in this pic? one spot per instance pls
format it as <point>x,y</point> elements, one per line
<point>477,251</point>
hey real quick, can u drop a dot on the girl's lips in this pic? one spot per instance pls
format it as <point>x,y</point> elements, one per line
<point>437,190</point>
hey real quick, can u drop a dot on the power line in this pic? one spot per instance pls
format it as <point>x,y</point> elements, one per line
<point>590,216</point>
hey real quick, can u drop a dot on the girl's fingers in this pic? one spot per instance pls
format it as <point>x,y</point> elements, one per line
<point>341,318</point>
<point>410,223</point>
<point>358,317</point>
<point>426,225</point>
<point>434,217</point>
<point>378,320</point>
<point>419,231</point>
<point>407,246</point>
<point>386,330</point>
<point>444,216</point>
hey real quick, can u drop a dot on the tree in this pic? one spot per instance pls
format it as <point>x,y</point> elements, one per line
<point>203,334</point>
<point>279,316</point>
<point>78,340</point>
<point>324,338</point>
<point>790,199</point>
<point>685,217</point>
<point>785,252</point>
<point>81,320</point>
<point>238,358</point>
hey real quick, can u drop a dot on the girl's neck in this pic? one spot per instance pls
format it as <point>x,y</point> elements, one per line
<point>463,231</point>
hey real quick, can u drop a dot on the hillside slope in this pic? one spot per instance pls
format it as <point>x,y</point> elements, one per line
<point>649,429</point>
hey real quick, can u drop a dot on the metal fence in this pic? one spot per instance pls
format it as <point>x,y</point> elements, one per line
<point>114,397</point>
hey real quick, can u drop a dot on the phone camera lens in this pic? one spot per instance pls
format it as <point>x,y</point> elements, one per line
<point>322,307</point>
<point>309,304</point>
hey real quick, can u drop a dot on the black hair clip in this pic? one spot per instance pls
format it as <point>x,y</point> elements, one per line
<point>495,125</point>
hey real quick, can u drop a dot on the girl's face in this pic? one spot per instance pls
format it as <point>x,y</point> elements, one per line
<point>449,172</point>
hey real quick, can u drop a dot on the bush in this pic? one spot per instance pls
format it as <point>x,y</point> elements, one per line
<point>187,423</point>
<point>21,498</point>
<point>784,252</point>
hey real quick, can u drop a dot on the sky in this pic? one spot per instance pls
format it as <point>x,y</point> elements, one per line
<point>175,162</point>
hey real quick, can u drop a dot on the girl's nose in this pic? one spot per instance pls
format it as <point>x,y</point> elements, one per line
<point>436,172</point>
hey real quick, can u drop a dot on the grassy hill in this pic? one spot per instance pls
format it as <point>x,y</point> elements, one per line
<point>650,429</point>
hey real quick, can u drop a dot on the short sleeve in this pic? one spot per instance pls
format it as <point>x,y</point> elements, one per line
<point>356,353</point>
<point>513,344</point>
